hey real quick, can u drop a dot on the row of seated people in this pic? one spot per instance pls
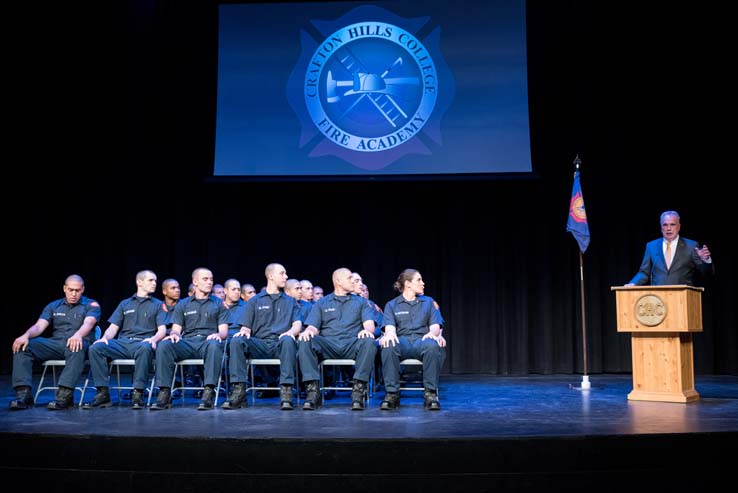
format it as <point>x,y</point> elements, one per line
<point>272,324</point>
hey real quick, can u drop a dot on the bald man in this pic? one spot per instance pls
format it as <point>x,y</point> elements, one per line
<point>340,325</point>
<point>294,289</point>
<point>317,293</point>
<point>269,326</point>
<point>307,291</point>
<point>199,327</point>
<point>171,291</point>
<point>132,333</point>
<point>234,304</point>
<point>72,319</point>
<point>248,291</point>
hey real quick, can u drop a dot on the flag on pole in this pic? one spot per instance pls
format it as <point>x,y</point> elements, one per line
<point>577,223</point>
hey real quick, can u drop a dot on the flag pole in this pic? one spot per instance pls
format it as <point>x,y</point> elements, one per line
<point>585,378</point>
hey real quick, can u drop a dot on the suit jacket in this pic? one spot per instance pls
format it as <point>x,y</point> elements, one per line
<point>683,268</point>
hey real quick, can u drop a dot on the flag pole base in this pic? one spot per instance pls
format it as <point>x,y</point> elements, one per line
<point>585,385</point>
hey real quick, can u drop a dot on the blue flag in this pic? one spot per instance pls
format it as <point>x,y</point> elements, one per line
<point>577,222</point>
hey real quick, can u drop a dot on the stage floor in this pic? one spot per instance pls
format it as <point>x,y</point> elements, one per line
<point>472,406</point>
<point>532,433</point>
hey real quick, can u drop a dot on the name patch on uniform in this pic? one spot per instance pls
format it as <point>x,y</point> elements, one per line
<point>193,312</point>
<point>402,313</point>
<point>60,314</point>
<point>129,311</point>
<point>329,310</point>
<point>265,307</point>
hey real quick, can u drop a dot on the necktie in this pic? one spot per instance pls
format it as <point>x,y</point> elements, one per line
<point>667,255</point>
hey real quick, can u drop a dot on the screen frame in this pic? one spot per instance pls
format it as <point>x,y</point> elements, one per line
<point>533,174</point>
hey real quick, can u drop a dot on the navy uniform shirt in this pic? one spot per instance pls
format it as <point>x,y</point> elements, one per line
<point>164,316</point>
<point>199,317</point>
<point>378,317</point>
<point>340,316</point>
<point>66,319</point>
<point>305,307</point>
<point>234,314</point>
<point>269,315</point>
<point>136,316</point>
<point>412,317</point>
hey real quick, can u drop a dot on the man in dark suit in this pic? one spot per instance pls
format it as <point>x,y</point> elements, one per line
<point>672,259</point>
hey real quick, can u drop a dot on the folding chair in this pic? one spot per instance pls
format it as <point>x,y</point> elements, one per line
<point>200,362</point>
<point>56,363</point>
<point>343,362</point>
<point>411,362</point>
<point>117,363</point>
<point>265,362</point>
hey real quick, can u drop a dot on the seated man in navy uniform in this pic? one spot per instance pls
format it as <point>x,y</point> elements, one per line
<point>171,291</point>
<point>293,288</point>
<point>199,327</point>
<point>340,325</point>
<point>73,319</point>
<point>235,306</point>
<point>248,291</point>
<point>307,291</point>
<point>269,327</point>
<point>317,293</point>
<point>134,321</point>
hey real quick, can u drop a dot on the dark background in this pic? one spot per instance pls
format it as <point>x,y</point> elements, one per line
<point>111,124</point>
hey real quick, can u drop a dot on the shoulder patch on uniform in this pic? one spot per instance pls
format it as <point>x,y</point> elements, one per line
<point>436,305</point>
<point>95,303</point>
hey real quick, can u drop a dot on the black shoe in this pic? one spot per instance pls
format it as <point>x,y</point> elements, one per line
<point>238,397</point>
<point>430,400</point>
<point>207,399</point>
<point>285,397</point>
<point>313,398</point>
<point>137,397</point>
<point>101,399</point>
<point>23,398</point>
<point>64,399</point>
<point>391,401</point>
<point>163,400</point>
<point>358,395</point>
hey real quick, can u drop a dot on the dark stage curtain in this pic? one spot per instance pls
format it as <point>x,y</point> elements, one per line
<point>132,194</point>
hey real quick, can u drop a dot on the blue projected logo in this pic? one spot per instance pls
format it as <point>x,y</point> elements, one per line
<point>369,88</point>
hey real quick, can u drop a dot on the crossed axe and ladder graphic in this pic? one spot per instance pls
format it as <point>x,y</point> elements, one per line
<point>375,87</point>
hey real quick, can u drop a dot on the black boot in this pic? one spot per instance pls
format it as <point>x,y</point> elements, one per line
<point>314,398</point>
<point>391,401</point>
<point>207,399</point>
<point>23,398</point>
<point>163,400</point>
<point>137,398</point>
<point>64,399</point>
<point>430,400</point>
<point>285,397</point>
<point>358,394</point>
<point>238,397</point>
<point>101,399</point>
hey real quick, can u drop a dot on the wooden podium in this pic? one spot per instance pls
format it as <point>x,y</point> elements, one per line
<point>661,320</point>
